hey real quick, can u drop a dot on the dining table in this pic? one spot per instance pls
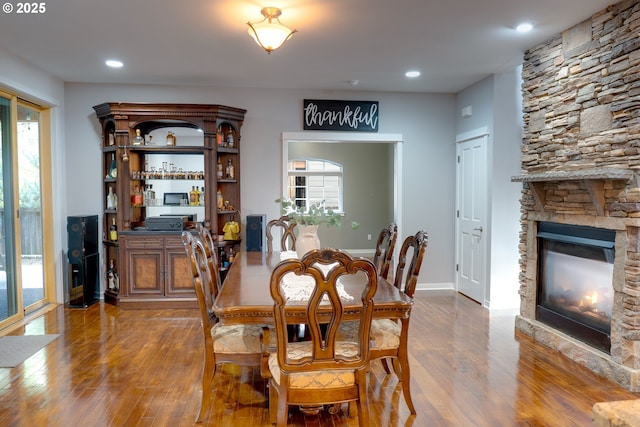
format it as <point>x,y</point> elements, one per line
<point>245,297</point>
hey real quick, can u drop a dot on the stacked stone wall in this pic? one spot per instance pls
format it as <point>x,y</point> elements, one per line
<point>581,111</point>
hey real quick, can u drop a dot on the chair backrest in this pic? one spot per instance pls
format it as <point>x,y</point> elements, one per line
<point>212,257</point>
<point>202,280</point>
<point>288,239</point>
<point>406,281</point>
<point>325,310</point>
<point>384,249</point>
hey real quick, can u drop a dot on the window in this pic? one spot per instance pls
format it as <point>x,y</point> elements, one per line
<point>315,181</point>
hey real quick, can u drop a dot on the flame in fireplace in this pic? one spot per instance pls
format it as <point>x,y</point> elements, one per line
<point>589,302</point>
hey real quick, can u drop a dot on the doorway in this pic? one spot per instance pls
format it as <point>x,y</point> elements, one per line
<point>394,142</point>
<point>471,214</point>
<point>23,209</point>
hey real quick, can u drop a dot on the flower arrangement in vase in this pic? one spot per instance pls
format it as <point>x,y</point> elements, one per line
<point>308,220</point>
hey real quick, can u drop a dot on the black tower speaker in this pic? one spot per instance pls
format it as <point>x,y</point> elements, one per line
<point>82,237</point>
<point>84,260</point>
<point>255,232</point>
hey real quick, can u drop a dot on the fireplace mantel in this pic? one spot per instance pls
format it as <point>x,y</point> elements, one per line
<point>592,179</point>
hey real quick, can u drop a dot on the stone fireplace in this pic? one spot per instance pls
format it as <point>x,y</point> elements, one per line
<point>580,164</point>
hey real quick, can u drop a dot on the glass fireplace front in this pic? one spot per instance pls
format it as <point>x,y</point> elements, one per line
<point>575,281</point>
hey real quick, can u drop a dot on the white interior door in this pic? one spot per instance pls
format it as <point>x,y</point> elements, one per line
<point>471,214</point>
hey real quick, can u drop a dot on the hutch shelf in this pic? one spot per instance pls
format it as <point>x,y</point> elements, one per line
<point>164,160</point>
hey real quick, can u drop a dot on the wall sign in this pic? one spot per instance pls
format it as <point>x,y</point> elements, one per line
<point>324,114</point>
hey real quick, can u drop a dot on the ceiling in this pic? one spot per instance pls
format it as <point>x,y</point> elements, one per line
<point>454,43</point>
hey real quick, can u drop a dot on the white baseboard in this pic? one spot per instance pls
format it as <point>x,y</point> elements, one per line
<point>435,286</point>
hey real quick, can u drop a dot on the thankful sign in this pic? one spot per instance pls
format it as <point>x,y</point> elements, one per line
<point>323,114</point>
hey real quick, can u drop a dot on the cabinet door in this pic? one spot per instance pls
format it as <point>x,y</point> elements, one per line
<point>145,272</point>
<point>178,275</point>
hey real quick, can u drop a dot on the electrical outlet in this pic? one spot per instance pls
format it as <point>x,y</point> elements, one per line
<point>368,236</point>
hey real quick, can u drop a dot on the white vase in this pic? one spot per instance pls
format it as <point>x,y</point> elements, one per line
<point>307,239</point>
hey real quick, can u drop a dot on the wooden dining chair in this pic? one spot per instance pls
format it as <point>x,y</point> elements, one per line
<point>211,251</point>
<point>384,249</point>
<point>322,370</point>
<point>286,226</point>
<point>389,337</point>
<point>237,344</point>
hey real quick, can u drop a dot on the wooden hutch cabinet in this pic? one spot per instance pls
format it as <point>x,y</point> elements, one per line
<point>161,163</point>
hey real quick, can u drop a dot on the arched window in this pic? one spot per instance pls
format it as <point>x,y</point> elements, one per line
<point>315,181</point>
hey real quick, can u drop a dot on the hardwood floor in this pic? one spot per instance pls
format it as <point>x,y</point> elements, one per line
<point>114,367</point>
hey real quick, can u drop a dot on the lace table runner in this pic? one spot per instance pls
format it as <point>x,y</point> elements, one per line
<point>299,288</point>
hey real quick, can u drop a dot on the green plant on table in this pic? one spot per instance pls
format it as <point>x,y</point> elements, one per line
<point>316,214</point>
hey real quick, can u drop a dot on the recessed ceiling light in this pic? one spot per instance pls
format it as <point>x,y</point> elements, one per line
<point>113,63</point>
<point>413,73</point>
<point>524,27</point>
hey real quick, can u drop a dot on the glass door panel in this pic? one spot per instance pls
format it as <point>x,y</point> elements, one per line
<point>8,283</point>
<point>30,205</point>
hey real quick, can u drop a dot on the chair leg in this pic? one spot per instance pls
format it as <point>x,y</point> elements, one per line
<point>405,378</point>
<point>273,403</point>
<point>283,409</point>
<point>363,406</point>
<point>208,372</point>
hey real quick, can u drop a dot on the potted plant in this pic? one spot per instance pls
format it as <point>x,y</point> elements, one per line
<point>308,220</point>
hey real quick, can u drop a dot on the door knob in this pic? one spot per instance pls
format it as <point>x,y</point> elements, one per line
<point>478,229</point>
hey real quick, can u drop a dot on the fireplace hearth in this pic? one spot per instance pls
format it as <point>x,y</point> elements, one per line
<point>575,281</point>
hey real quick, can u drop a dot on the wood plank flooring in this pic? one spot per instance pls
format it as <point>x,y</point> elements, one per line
<point>114,367</point>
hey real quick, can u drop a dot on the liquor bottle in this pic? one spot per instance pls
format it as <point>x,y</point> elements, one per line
<point>138,139</point>
<point>231,255</point>
<point>193,196</point>
<point>111,276</point>
<point>219,168</point>
<point>113,170</point>
<point>229,172</point>
<point>201,197</point>
<point>113,231</point>
<point>171,138</point>
<point>230,139</point>
<point>219,200</point>
<point>111,199</point>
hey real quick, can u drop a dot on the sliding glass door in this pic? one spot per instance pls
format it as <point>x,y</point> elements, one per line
<point>8,288</point>
<point>22,248</point>
<point>30,205</point>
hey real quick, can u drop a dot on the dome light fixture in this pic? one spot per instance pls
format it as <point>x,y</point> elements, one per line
<point>524,27</point>
<point>113,63</point>
<point>269,33</point>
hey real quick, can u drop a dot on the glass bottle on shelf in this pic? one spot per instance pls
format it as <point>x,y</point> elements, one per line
<point>201,197</point>
<point>113,169</point>
<point>113,231</point>
<point>229,171</point>
<point>193,196</point>
<point>171,138</point>
<point>219,200</point>
<point>219,168</point>
<point>138,139</point>
<point>230,138</point>
<point>111,199</point>
<point>112,277</point>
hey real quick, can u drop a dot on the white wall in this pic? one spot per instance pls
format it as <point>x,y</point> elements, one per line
<point>33,84</point>
<point>426,121</point>
<point>496,104</point>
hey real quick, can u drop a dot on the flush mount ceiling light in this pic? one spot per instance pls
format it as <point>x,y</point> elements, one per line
<point>412,74</point>
<point>113,63</point>
<point>269,33</point>
<point>524,27</point>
